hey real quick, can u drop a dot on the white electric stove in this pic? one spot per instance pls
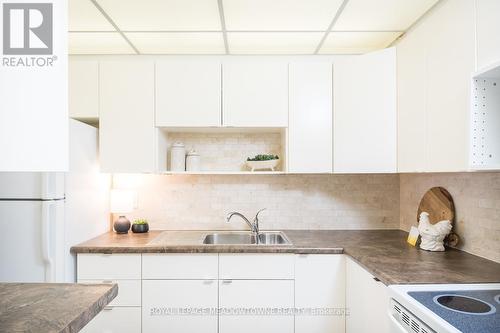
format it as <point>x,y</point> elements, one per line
<point>445,308</point>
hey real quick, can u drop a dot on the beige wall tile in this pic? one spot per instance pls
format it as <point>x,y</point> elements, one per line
<point>476,197</point>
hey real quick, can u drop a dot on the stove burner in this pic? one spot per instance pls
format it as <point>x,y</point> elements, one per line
<point>464,304</point>
<point>497,298</point>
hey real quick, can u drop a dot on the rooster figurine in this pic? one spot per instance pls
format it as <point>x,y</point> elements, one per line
<point>432,235</point>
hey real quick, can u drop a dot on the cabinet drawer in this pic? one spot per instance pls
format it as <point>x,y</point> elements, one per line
<point>108,266</point>
<point>129,291</point>
<point>115,320</point>
<point>256,266</point>
<point>166,302</point>
<point>179,266</point>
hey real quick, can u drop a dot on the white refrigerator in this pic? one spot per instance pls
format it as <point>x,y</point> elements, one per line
<point>43,214</point>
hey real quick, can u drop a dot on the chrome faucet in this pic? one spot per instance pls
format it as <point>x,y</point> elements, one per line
<point>254,226</point>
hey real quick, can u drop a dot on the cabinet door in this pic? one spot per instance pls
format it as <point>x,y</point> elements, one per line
<point>364,121</point>
<point>188,93</point>
<point>411,62</point>
<point>320,284</point>
<point>449,86</point>
<point>127,134</point>
<point>310,118</point>
<point>255,94</point>
<point>178,305</point>
<point>488,25</point>
<point>250,297</point>
<point>115,320</point>
<point>367,301</point>
<point>83,86</point>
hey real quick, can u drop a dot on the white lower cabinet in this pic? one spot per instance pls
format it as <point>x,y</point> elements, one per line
<point>115,320</point>
<point>226,293</point>
<point>367,301</point>
<point>255,306</point>
<point>320,293</point>
<point>179,306</point>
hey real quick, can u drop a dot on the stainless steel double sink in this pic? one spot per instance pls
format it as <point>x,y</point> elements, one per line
<point>247,238</point>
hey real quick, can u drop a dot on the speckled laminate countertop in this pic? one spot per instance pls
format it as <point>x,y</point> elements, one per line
<point>51,307</point>
<point>384,253</point>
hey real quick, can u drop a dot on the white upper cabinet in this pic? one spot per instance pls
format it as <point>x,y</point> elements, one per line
<point>434,90</point>
<point>411,91</point>
<point>188,93</point>
<point>310,118</point>
<point>83,88</point>
<point>364,122</point>
<point>487,25</point>
<point>126,125</point>
<point>255,93</point>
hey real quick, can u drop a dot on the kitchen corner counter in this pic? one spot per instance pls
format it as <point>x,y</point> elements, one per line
<point>51,307</point>
<point>384,253</point>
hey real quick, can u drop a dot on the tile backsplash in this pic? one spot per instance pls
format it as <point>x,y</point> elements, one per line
<point>180,202</point>
<point>477,205</point>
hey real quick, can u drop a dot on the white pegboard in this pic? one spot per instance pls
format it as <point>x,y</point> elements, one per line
<point>485,124</point>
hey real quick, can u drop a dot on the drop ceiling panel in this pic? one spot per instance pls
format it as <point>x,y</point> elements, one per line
<point>84,16</point>
<point>357,42</point>
<point>178,42</point>
<point>276,15</point>
<point>158,15</point>
<point>98,43</point>
<point>273,42</point>
<point>371,15</point>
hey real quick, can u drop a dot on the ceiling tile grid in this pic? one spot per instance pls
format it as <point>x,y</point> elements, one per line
<point>239,26</point>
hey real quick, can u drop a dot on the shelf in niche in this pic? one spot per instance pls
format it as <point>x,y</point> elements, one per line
<point>224,150</point>
<point>485,119</point>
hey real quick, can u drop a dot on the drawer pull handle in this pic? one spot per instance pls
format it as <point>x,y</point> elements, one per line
<point>208,281</point>
<point>227,281</point>
<point>376,279</point>
<point>108,308</point>
<point>107,281</point>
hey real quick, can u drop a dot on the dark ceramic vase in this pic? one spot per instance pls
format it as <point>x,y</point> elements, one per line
<point>121,225</point>
<point>140,228</point>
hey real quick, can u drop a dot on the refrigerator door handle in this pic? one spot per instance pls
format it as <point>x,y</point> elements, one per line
<point>46,232</point>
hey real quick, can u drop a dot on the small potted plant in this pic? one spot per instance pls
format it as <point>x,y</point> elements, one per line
<point>140,226</point>
<point>263,162</point>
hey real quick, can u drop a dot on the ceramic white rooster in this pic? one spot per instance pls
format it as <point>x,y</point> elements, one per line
<point>432,235</point>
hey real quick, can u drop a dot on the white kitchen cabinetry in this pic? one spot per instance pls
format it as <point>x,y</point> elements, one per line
<point>434,87</point>
<point>367,301</point>
<point>255,93</point>
<point>320,284</point>
<point>310,118</point>
<point>364,121</point>
<point>127,136</point>
<point>253,296</point>
<point>123,314</point>
<point>487,27</point>
<point>177,305</point>
<point>115,320</point>
<point>188,93</point>
<point>83,86</point>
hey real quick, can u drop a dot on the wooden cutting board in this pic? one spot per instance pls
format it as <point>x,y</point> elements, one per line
<point>439,204</point>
